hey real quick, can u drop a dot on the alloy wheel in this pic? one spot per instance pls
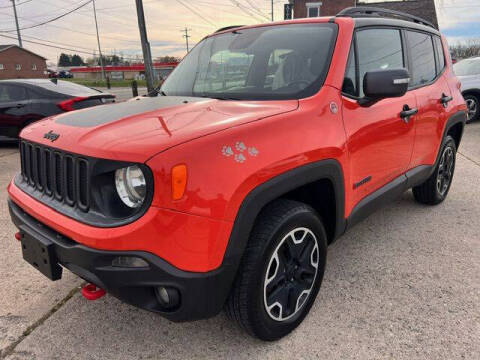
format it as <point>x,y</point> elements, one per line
<point>291,274</point>
<point>445,170</point>
<point>472,108</point>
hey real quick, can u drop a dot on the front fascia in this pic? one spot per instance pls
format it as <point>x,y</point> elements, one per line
<point>188,242</point>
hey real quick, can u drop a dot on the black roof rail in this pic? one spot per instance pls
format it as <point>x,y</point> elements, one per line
<point>228,28</point>
<point>368,11</point>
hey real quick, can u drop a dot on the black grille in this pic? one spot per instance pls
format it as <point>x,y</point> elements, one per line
<point>62,176</point>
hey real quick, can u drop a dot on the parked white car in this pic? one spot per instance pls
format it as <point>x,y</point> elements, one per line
<point>468,72</point>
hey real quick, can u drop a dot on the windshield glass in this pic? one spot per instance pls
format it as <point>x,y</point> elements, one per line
<point>265,63</point>
<point>467,67</point>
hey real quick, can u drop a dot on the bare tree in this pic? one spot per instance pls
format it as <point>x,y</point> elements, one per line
<point>465,49</point>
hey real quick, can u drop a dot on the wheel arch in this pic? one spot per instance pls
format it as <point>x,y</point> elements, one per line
<point>287,185</point>
<point>454,128</point>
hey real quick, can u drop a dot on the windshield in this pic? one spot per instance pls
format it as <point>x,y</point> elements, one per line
<point>265,63</point>
<point>467,67</point>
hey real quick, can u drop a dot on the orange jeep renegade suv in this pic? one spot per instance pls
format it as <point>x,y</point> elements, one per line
<point>262,147</point>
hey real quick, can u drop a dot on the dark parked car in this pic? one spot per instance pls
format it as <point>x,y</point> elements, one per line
<point>25,101</point>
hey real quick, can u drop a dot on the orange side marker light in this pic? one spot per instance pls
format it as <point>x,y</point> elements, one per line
<point>179,181</point>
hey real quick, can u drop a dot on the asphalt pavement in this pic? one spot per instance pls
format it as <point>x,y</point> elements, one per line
<point>404,284</point>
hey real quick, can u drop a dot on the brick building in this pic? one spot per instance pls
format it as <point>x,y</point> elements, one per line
<point>312,8</point>
<point>20,63</point>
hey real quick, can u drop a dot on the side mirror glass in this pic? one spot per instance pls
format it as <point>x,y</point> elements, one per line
<point>382,84</point>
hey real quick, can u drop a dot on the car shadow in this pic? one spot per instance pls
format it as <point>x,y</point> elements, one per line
<point>367,270</point>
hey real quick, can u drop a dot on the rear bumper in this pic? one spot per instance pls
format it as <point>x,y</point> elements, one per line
<point>202,295</point>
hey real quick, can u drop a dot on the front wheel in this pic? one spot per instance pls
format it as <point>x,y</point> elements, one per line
<point>281,271</point>
<point>436,188</point>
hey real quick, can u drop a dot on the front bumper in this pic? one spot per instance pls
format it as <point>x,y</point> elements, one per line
<point>202,295</point>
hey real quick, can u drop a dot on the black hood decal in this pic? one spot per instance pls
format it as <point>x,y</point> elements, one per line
<point>103,114</point>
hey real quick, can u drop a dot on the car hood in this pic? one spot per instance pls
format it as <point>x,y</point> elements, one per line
<point>137,130</point>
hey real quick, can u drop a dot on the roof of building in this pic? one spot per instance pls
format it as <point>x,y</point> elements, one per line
<point>6,47</point>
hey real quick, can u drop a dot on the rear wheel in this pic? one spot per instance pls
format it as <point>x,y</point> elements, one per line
<point>436,188</point>
<point>281,271</point>
<point>473,107</point>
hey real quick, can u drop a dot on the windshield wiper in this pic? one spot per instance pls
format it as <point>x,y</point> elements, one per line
<point>225,98</point>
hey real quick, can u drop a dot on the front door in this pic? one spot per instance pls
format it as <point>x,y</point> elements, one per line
<point>379,140</point>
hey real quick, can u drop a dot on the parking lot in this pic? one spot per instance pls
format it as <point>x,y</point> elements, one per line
<point>404,284</point>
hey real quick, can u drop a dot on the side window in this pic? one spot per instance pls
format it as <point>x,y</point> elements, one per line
<point>422,53</point>
<point>12,93</point>
<point>440,54</point>
<point>350,81</point>
<point>378,49</point>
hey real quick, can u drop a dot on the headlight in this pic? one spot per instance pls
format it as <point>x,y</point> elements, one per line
<point>131,186</point>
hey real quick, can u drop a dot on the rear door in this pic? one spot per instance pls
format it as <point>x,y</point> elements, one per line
<point>14,108</point>
<point>427,67</point>
<point>380,141</point>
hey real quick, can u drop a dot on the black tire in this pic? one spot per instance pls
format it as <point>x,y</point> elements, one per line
<point>436,188</point>
<point>247,302</point>
<point>473,104</point>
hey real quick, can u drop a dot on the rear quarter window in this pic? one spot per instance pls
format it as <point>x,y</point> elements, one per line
<point>68,88</point>
<point>423,69</point>
<point>12,93</point>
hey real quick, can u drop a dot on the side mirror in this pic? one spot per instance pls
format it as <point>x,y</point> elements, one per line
<point>382,84</point>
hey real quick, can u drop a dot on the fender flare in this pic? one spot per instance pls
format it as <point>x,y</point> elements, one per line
<point>458,117</point>
<point>273,189</point>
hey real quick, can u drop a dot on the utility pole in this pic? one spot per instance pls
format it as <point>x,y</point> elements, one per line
<point>272,10</point>
<point>16,22</point>
<point>98,41</point>
<point>147,55</point>
<point>186,36</point>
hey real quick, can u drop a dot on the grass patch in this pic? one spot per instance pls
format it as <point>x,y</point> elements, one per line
<point>103,83</point>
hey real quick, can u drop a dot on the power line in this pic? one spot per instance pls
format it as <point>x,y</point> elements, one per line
<point>197,13</point>
<point>8,7</point>
<point>51,20</point>
<point>51,46</point>
<point>246,11</point>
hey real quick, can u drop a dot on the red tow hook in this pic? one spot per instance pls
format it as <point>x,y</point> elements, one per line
<point>18,236</point>
<point>92,292</point>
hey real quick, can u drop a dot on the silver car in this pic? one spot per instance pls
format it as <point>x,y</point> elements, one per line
<point>468,72</point>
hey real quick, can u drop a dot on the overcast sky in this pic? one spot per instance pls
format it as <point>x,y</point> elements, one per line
<point>459,19</point>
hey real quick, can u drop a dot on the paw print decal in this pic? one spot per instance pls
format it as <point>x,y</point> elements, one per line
<point>240,152</point>
<point>240,146</point>
<point>240,158</point>
<point>252,151</point>
<point>227,151</point>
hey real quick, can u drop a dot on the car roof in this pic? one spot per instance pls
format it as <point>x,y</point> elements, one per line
<point>384,21</point>
<point>359,22</point>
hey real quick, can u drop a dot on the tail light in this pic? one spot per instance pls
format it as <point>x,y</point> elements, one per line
<point>67,105</point>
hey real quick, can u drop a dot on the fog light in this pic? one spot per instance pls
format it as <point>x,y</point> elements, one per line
<point>129,262</point>
<point>168,298</point>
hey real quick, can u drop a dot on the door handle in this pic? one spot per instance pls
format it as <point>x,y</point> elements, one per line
<point>407,113</point>
<point>19,106</point>
<point>445,100</point>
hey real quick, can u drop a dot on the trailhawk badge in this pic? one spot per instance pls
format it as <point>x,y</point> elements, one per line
<point>51,136</point>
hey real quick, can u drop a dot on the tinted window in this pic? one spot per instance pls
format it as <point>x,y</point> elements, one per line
<point>423,58</point>
<point>440,54</point>
<point>67,88</point>
<point>272,62</point>
<point>378,49</point>
<point>12,93</point>
<point>467,67</point>
<point>350,82</point>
